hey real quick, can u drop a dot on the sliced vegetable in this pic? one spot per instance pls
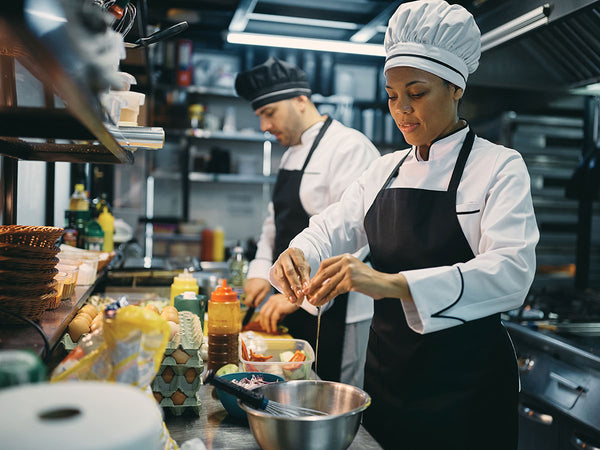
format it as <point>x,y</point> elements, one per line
<point>298,356</point>
<point>259,357</point>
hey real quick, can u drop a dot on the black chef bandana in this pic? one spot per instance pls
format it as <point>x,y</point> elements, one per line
<point>272,81</point>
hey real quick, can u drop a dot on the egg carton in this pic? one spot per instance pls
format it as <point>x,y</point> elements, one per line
<point>178,382</point>
<point>191,405</point>
<point>190,332</point>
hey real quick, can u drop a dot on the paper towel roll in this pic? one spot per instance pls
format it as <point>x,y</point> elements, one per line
<point>76,415</point>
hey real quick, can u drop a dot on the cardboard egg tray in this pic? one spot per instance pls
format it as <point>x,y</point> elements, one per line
<point>184,346</point>
<point>191,405</point>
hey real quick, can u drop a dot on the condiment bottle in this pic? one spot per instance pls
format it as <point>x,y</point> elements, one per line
<point>238,268</point>
<point>224,324</point>
<point>206,245</point>
<point>183,282</point>
<point>218,245</point>
<point>107,222</point>
<point>79,199</point>
<point>94,236</point>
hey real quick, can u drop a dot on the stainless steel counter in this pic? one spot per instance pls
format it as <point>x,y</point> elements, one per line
<point>219,431</point>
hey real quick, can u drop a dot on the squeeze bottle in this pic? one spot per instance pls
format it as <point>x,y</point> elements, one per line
<point>224,325</point>
<point>107,222</point>
<point>183,282</point>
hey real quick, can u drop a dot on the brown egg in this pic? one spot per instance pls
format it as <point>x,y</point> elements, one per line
<point>77,328</point>
<point>178,397</point>
<point>158,396</point>
<point>85,316</point>
<point>174,329</point>
<point>168,375</point>
<point>89,309</point>
<point>190,375</point>
<point>152,307</point>
<point>96,323</point>
<point>180,356</point>
<point>170,313</point>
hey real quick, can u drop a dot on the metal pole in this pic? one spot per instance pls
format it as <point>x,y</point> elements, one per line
<point>8,98</point>
<point>584,222</point>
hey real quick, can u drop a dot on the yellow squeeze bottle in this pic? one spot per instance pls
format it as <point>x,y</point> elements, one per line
<point>107,222</point>
<point>184,282</point>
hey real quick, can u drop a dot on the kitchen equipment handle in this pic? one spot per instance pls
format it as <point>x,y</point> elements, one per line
<point>577,442</point>
<point>252,398</point>
<point>567,383</point>
<point>161,35</point>
<point>528,413</point>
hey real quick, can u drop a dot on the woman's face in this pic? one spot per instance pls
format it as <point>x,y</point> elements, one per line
<point>422,104</point>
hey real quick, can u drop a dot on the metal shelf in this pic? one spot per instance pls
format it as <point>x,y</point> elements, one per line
<point>81,120</point>
<point>198,133</point>
<point>230,178</point>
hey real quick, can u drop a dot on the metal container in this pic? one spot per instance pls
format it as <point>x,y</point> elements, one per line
<point>343,403</point>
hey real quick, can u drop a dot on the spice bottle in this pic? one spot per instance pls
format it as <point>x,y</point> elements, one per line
<point>224,324</point>
<point>183,282</point>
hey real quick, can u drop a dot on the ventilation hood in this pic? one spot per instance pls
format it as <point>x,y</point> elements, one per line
<point>559,55</point>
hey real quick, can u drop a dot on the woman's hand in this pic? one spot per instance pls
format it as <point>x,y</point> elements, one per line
<point>256,290</point>
<point>273,312</point>
<point>292,272</point>
<point>346,273</point>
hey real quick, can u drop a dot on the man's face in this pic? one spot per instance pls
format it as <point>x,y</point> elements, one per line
<point>283,120</point>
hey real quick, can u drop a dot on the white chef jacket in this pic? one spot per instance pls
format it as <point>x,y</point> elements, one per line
<point>495,212</point>
<point>341,156</point>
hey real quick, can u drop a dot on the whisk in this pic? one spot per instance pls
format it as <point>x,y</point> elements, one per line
<point>257,400</point>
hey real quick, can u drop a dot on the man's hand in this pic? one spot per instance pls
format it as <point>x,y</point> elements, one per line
<point>256,289</point>
<point>273,312</point>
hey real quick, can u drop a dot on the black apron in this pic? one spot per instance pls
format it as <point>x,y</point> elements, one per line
<point>290,220</point>
<point>452,389</point>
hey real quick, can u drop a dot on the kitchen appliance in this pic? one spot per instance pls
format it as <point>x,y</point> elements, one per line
<point>557,341</point>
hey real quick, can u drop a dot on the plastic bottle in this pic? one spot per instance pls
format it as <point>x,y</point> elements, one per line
<point>206,246</point>
<point>224,324</point>
<point>94,236</point>
<point>218,244</point>
<point>107,222</point>
<point>79,199</point>
<point>238,268</point>
<point>70,236</point>
<point>182,283</point>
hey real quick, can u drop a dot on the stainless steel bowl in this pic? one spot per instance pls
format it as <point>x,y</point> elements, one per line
<point>343,403</point>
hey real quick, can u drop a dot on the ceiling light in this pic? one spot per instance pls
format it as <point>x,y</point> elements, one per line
<point>323,45</point>
<point>516,27</point>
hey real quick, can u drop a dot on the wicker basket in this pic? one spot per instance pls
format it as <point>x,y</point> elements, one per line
<point>30,236</point>
<point>24,277</point>
<point>27,290</point>
<point>27,264</point>
<point>30,307</point>
<point>24,251</point>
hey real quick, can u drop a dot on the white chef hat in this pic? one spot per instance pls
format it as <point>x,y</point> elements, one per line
<point>434,36</point>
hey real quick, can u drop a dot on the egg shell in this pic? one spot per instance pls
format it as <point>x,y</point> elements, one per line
<point>170,313</point>
<point>77,328</point>
<point>167,375</point>
<point>85,316</point>
<point>89,309</point>
<point>178,397</point>
<point>180,356</point>
<point>152,307</point>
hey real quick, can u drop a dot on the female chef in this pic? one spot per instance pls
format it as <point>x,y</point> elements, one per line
<point>452,234</point>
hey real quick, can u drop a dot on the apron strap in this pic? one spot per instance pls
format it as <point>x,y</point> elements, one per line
<point>461,160</point>
<point>394,173</point>
<point>315,143</point>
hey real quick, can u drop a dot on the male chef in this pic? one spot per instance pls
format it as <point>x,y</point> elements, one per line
<point>322,158</point>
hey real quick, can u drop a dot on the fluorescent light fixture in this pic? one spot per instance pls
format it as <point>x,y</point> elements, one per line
<point>323,45</point>
<point>516,27</point>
